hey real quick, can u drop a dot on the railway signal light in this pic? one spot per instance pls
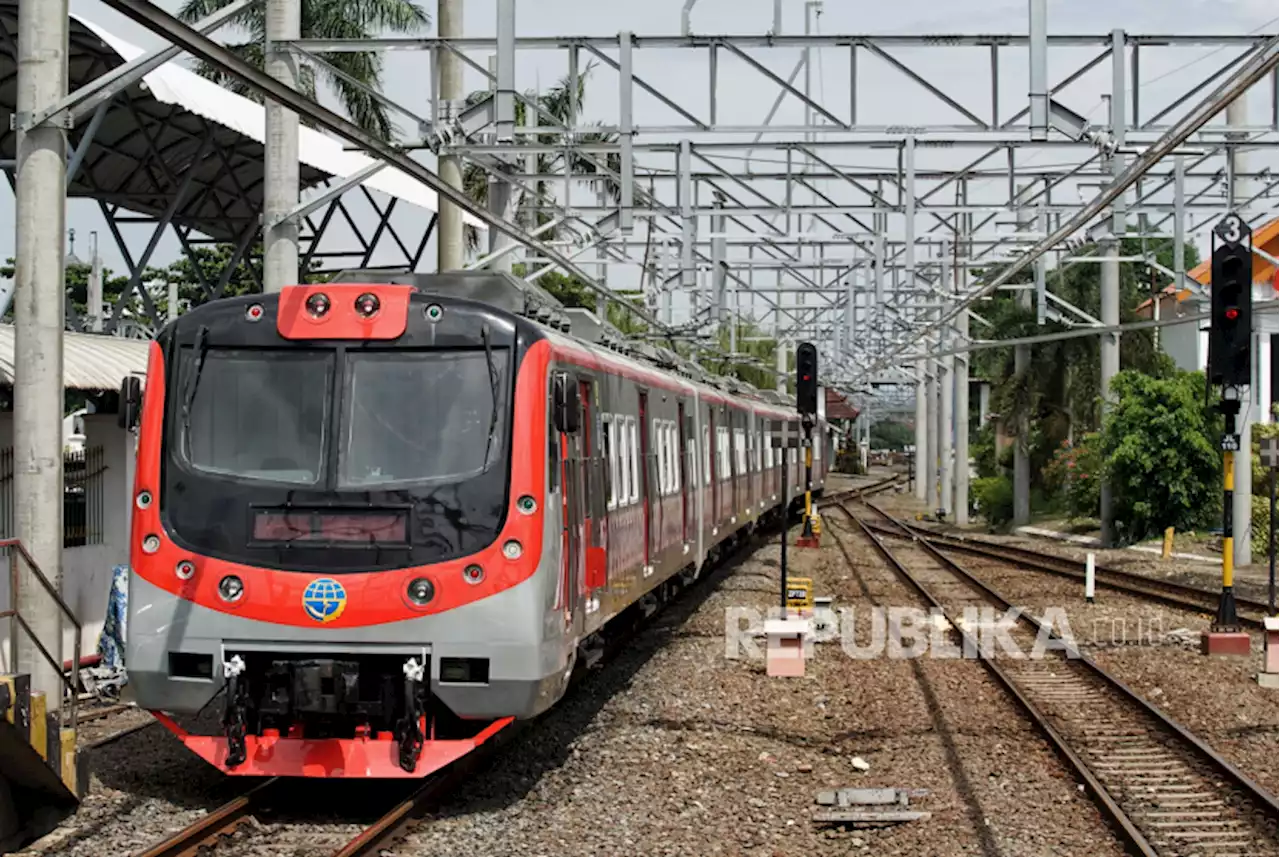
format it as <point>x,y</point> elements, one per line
<point>1231,316</point>
<point>807,378</point>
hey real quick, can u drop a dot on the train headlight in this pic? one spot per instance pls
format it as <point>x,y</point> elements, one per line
<point>527,505</point>
<point>318,305</point>
<point>231,588</point>
<point>473,574</point>
<point>420,591</point>
<point>367,305</point>
<point>185,569</point>
<point>151,544</point>
<point>512,549</point>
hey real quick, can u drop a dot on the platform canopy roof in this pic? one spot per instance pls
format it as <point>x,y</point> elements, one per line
<point>90,361</point>
<point>173,122</point>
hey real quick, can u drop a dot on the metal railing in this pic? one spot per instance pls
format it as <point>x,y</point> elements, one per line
<point>18,553</point>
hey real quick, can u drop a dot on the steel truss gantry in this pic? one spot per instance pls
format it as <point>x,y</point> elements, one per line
<point>823,220</point>
<point>828,217</point>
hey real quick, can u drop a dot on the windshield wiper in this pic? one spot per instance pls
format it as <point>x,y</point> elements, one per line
<point>189,395</point>
<point>493,394</point>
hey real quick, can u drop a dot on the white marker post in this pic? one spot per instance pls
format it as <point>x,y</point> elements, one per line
<point>1088,578</point>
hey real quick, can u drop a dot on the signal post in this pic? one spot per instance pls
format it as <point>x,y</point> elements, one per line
<point>807,405</point>
<point>1230,363</point>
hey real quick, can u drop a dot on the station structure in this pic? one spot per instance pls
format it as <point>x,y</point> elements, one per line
<point>861,203</point>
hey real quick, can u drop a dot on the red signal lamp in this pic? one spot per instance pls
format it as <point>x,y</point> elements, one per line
<point>1232,314</point>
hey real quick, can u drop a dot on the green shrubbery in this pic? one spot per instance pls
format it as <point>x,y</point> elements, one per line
<point>993,496</point>
<point>1160,455</point>
<point>1158,447</point>
<point>1073,477</point>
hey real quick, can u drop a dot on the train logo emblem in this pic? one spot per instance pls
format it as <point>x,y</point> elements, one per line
<point>324,599</point>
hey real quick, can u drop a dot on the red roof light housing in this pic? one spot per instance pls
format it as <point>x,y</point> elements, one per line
<point>344,311</point>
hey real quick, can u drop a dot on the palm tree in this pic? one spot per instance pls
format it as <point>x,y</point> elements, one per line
<point>558,102</point>
<point>323,19</point>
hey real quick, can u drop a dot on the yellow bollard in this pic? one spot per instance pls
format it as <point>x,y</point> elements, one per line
<point>1168,544</point>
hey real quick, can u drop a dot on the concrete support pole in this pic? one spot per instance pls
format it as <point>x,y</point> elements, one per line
<point>450,242</point>
<point>960,372</point>
<point>1109,344</point>
<point>946,386</point>
<point>95,290</point>
<point>1241,498</point>
<point>780,364</point>
<point>719,251</point>
<point>1021,365</point>
<point>931,435</point>
<point>1037,24</point>
<point>40,200</point>
<point>280,190</point>
<point>921,458</point>
<point>501,193</point>
<point>946,414</point>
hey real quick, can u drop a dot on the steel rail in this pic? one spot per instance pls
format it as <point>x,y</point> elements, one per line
<point>1180,595</point>
<point>1223,767</point>
<point>208,828</point>
<point>1059,742</point>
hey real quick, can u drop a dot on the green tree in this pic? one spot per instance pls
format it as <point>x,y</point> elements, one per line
<point>323,19</point>
<point>1160,454</point>
<point>559,103</point>
<point>892,435</point>
<point>186,272</point>
<point>1059,393</point>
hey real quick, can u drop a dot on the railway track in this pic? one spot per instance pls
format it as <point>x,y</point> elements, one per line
<point>862,491</point>
<point>222,821</point>
<point>1185,596</point>
<point>1167,793</point>
<point>374,839</point>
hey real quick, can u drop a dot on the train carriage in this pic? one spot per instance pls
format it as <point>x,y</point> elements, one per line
<point>376,519</point>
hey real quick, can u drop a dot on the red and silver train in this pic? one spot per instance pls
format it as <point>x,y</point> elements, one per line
<point>375,521</point>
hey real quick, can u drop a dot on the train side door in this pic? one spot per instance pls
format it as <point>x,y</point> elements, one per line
<point>646,487</point>
<point>572,428</point>
<point>713,460</point>
<point>593,494</point>
<point>682,445</point>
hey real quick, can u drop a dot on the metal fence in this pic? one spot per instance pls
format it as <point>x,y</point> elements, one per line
<point>83,475</point>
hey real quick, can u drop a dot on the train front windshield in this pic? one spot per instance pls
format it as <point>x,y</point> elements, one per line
<point>405,418</point>
<point>420,437</point>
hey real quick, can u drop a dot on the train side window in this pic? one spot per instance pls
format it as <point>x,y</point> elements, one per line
<point>706,455</point>
<point>672,458</point>
<point>553,445</point>
<point>609,436</point>
<point>660,447</point>
<point>632,458</point>
<point>673,438</point>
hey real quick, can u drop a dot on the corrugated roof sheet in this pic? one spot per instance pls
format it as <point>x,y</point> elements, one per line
<point>90,361</point>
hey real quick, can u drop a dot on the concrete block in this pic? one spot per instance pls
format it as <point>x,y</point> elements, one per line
<point>1225,644</point>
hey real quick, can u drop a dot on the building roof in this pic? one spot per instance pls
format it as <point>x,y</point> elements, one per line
<point>1265,238</point>
<point>153,135</point>
<point>838,408</point>
<point>90,361</point>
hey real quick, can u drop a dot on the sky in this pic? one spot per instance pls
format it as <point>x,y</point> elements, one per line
<point>743,96</point>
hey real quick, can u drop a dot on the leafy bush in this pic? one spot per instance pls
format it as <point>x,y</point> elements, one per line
<point>982,448</point>
<point>1161,454</point>
<point>1074,476</point>
<point>1258,534</point>
<point>994,498</point>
